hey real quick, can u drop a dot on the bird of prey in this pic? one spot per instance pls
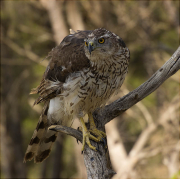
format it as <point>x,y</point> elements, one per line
<point>84,71</point>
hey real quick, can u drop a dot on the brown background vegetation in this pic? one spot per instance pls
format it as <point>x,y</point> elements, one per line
<point>144,141</point>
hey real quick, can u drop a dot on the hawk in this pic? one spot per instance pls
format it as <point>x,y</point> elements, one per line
<point>84,71</point>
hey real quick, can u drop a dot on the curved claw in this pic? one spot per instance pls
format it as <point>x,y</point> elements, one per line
<point>77,141</point>
<point>100,135</point>
<point>104,141</point>
<point>87,135</point>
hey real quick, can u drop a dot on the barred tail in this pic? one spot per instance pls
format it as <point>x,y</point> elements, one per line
<point>42,140</point>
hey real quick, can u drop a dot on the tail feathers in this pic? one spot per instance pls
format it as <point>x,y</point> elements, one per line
<point>38,148</point>
<point>34,144</point>
<point>44,148</point>
<point>42,140</point>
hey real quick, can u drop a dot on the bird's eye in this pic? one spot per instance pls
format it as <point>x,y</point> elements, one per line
<point>86,43</point>
<point>101,40</point>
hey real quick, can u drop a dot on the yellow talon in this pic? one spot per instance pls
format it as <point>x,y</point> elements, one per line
<point>87,136</point>
<point>99,134</point>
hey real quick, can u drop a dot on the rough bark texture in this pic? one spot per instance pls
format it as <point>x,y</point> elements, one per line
<point>119,106</point>
<point>97,162</point>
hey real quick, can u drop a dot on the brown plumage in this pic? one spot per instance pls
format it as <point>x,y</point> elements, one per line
<point>68,55</point>
<point>83,72</point>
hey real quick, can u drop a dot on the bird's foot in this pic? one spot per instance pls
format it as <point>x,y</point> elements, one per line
<point>86,137</point>
<point>100,135</point>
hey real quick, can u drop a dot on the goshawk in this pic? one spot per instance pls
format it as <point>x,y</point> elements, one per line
<point>84,71</point>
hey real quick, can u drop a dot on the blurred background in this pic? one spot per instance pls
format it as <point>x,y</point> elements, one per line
<point>144,141</point>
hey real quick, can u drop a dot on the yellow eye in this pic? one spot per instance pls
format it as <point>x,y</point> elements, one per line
<point>86,43</point>
<point>101,40</point>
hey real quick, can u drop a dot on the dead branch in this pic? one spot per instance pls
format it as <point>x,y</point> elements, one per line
<point>116,108</point>
<point>67,130</point>
<point>96,162</point>
<point>139,152</point>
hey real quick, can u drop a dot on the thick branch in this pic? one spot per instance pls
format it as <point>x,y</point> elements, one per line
<point>96,163</point>
<point>116,108</point>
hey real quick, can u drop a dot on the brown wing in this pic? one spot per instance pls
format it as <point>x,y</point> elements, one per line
<point>65,59</point>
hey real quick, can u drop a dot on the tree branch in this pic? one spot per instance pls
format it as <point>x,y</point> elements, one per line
<point>67,130</point>
<point>97,162</point>
<point>119,106</point>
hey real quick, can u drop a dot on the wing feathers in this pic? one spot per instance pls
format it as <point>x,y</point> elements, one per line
<point>65,59</point>
<point>47,90</point>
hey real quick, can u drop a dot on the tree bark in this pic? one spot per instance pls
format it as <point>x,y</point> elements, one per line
<point>119,106</point>
<point>56,18</point>
<point>97,162</point>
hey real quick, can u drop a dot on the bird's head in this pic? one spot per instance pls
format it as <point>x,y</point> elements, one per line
<point>102,44</point>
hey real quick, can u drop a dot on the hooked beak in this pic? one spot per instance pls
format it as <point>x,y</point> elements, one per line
<point>90,47</point>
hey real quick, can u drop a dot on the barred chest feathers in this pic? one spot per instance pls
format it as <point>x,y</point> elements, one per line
<point>91,88</point>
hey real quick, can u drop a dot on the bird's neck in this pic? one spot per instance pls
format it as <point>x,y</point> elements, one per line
<point>104,66</point>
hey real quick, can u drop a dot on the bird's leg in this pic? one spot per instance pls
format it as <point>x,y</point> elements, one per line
<point>87,136</point>
<point>100,135</point>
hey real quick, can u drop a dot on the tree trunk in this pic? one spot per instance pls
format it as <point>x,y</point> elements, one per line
<point>97,162</point>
